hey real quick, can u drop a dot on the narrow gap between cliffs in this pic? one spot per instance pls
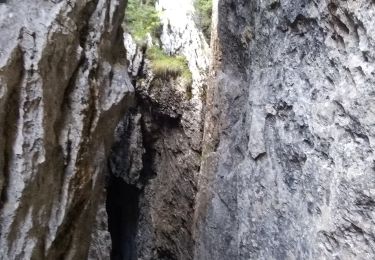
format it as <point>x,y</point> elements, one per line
<point>163,86</point>
<point>122,210</point>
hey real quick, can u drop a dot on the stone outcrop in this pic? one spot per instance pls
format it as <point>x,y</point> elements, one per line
<point>288,158</point>
<point>63,88</point>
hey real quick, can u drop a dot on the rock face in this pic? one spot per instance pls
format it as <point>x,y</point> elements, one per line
<point>63,89</point>
<point>288,158</point>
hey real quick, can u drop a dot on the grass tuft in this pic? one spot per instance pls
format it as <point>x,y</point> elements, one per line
<point>141,19</point>
<point>164,65</point>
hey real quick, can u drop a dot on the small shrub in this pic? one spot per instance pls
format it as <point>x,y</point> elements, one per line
<point>203,16</point>
<point>164,65</point>
<point>141,18</point>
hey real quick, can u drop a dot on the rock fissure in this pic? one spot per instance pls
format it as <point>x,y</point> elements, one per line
<point>157,150</point>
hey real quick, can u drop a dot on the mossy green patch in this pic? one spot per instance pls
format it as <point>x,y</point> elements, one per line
<point>164,65</point>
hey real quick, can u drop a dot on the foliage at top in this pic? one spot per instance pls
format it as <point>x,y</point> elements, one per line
<point>203,16</point>
<point>163,65</point>
<point>141,18</point>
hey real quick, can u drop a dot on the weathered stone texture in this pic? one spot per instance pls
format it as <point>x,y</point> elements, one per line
<point>63,88</point>
<point>288,163</point>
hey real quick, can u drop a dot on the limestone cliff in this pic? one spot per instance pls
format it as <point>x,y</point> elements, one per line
<point>63,89</point>
<point>288,163</point>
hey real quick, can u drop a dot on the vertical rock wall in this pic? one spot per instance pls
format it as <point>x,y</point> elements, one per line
<point>63,89</point>
<point>288,163</point>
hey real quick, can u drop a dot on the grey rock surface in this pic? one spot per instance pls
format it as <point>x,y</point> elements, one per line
<point>288,158</point>
<point>100,243</point>
<point>63,88</point>
<point>180,35</point>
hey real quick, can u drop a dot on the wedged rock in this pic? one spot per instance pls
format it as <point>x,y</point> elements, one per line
<point>63,88</point>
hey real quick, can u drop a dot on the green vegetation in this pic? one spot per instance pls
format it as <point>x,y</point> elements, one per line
<point>141,18</point>
<point>163,65</point>
<point>203,16</point>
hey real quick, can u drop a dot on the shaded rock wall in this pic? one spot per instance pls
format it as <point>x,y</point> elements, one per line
<point>158,145</point>
<point>63,89</point>
<point>288,159</point>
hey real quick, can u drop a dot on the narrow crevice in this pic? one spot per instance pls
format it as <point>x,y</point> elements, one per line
<point>123,192</point>
<point>122,210</point>
<point>84,26</point>
<point>150,183</point>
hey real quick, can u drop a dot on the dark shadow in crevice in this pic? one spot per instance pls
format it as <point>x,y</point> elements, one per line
<point>122,210</point>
